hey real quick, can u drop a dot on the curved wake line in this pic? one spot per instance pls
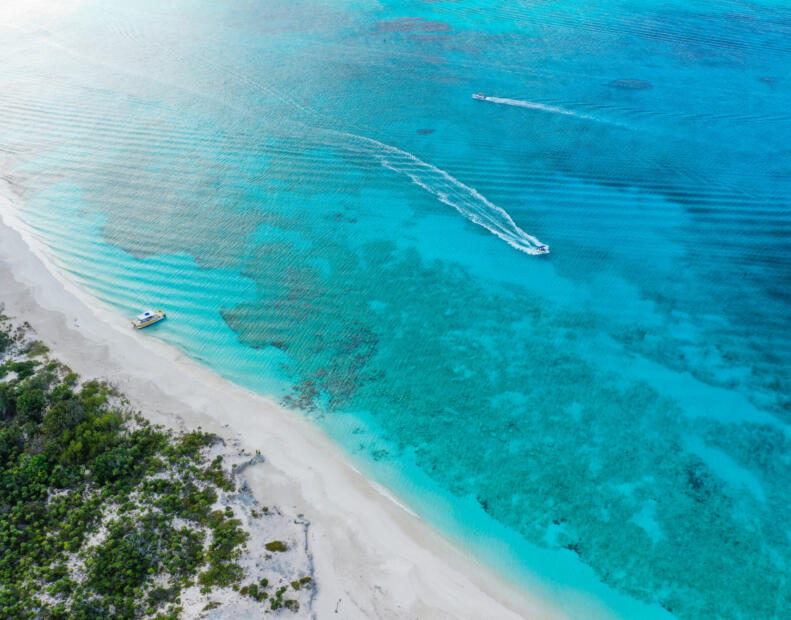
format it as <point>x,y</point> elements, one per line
<point>450,191</point>
<point>532,105</point>
<point>439,183</point>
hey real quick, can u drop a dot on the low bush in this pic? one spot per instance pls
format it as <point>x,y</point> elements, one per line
<point>78,498</point>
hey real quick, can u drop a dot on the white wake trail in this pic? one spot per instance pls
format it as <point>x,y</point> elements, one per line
<point>452,192</point>
<point>533,105</point>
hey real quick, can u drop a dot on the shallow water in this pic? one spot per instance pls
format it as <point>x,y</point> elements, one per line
<point>328,216</point>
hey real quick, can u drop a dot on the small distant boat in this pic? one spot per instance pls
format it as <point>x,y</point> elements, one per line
<point>149,317</point>
<point>543,249</point>
<point>479,96</point>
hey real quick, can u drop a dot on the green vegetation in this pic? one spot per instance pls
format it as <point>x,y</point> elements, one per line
<point>101,514</point>
<point>277,599</point>
<point>255,590</point>
<point>276,545</point>
<point>300,583</point>
<point>36,349</point>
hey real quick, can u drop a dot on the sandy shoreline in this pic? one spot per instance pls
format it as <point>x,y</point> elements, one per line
<point>373,559</point>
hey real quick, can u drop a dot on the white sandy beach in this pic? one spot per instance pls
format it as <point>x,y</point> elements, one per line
<point>372,557</point>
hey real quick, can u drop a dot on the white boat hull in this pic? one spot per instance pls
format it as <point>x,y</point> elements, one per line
<point>148,319</point>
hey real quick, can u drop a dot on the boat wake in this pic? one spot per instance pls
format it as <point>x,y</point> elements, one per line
<point>439,183</point>
<point>532,105</point>
<point>450,191</point>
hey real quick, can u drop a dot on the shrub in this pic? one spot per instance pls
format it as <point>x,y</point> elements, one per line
<point>222,575</point>
<point>254,592</point>
<point>23,370</point>
<point>64,415</point>
<point>5,341</point>
<point>113,464</point>
<point>36,349</point>
<point>67,457</point>
<point>122,562</point>
<point>7,401</point>
<point>30,405</point>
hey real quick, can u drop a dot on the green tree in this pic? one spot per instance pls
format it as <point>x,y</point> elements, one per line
<point>30,405</point>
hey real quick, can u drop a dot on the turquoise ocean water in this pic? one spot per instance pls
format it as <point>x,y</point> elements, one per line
<point>310,191</point>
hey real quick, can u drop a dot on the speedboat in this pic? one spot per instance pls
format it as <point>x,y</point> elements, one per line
<point>542,249</point>
<point>479,96</point>
<point>149,317</point>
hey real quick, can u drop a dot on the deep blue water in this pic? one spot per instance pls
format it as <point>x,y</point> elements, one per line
<point>327,215</point>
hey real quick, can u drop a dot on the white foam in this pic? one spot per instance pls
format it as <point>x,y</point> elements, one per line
<point>449,190</point>
<point>533,105</point>
<point>386,494</point>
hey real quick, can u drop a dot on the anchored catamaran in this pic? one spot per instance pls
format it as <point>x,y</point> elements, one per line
<point>149,317</point>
